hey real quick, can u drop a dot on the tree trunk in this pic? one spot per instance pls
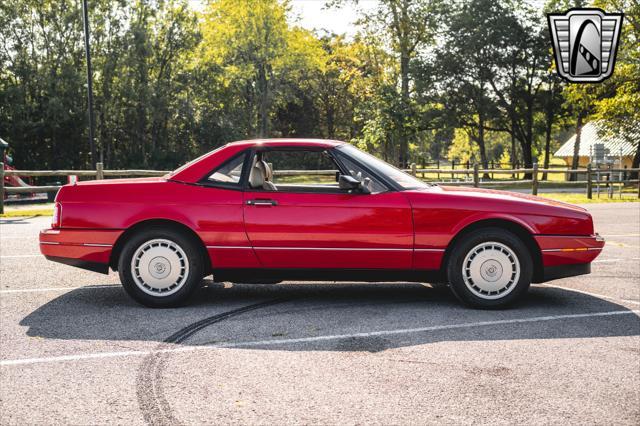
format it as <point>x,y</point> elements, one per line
<point>513,154</point>
<point>527,157</point>
<point>264,102</point>
<point>527,143</point>
<point>404,91</point>
<point>575,162</point>
<point>330,111</point>
<point>480,140</point>
<point>549,116</point>
<point>547,144</point>
<point>635,163</point>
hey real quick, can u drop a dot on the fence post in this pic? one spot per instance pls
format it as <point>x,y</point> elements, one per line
<point>609,185</point>
<point>453,166</point>
<point>589,187</point>
<point>438,166</point>
<point>1,187</point>
<point>413,169</point>
<point>476,176</point>
<point>534,180</point>
<point>99,171</point>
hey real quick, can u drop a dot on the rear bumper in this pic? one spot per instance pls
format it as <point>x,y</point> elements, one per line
<point>87,249</point>
<point>103,268</point>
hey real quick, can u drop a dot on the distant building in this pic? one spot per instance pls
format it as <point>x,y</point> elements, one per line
<point>599,151</point>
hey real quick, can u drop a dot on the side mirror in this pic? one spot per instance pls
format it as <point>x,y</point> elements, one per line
<point>350,183</point>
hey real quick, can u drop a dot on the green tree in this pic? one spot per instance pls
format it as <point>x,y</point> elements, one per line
<point>406,26</point>
<point>140,53</point>
<point>618,108</point>
<point>257,52</point>
<point>467,64</point>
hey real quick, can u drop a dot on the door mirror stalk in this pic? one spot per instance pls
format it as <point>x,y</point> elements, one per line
<point>350,183</point>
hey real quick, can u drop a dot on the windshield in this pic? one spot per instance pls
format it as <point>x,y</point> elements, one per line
<point>405,180</point>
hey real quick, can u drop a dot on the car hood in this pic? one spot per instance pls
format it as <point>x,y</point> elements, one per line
<point>496,195</point>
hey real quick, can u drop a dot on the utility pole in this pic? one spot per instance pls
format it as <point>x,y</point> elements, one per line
<point>92,144</point>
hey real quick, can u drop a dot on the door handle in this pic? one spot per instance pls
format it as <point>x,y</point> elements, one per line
<point>262,202</point>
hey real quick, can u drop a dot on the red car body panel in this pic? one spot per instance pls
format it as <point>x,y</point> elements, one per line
<point>394,230</point>
<point>332,230</point>
<point>87,246</point>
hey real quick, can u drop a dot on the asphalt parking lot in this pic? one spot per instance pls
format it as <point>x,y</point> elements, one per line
<point>75,349</point>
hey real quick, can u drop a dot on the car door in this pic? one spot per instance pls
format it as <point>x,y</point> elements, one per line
<point>314,224</point>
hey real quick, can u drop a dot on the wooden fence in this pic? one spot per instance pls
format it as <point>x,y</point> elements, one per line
<point>608,178</point>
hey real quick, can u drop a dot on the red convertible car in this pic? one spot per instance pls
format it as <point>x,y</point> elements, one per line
<point>240,214</point>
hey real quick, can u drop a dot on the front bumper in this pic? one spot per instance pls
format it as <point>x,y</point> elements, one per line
<point>84,248</point>
<point>563,271</point>
<point>567,250</point>
<point>567,256</point>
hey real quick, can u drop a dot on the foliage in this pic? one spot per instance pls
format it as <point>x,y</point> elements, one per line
<point>422,79</point>
<point>462,149</point>
<point>618,107</point>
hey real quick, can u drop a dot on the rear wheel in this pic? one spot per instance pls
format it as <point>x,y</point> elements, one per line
<point>490,268</point>
<point>160,268</point>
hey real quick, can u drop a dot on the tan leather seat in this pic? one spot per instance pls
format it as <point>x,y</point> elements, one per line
<point>260,176</point>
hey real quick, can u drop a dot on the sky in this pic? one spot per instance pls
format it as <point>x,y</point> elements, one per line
<point>313,15</point>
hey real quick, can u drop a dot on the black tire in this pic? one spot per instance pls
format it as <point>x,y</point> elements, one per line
<point>469,294</point>
<point>189,281</point>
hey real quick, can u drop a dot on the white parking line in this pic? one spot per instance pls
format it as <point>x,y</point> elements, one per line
<point>423,329</point>
<point>17,256</point>
<point>601,296</point>
<point>277,342</point>
<point>615,260</point>
<point>45,289</point>
<point>19,237</point>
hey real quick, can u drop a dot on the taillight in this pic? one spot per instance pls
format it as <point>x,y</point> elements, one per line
<point>57,216</point>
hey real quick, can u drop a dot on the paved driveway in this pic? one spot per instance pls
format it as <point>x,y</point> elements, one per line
<point>75,349</point>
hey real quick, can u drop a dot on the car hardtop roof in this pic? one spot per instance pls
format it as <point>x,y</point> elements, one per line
<point>194,170</point>
<point>317,143</point>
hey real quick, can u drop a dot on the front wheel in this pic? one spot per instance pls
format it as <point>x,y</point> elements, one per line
<point>160,268</point>
<point>490,268</point>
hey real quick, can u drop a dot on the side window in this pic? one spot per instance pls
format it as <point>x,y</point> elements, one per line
<point>317,168</point>
<point>294,170</point>
<point>229,172</point>
<point>362,175</point>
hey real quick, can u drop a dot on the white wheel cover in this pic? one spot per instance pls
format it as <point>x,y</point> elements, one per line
<point>491,270</point>
<point>160,267</point>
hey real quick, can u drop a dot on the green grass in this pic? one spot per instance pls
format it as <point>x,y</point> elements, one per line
<point>551,177</point>
<point>574,198</point>
<point>27,212</point>
<point>303,179</point>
